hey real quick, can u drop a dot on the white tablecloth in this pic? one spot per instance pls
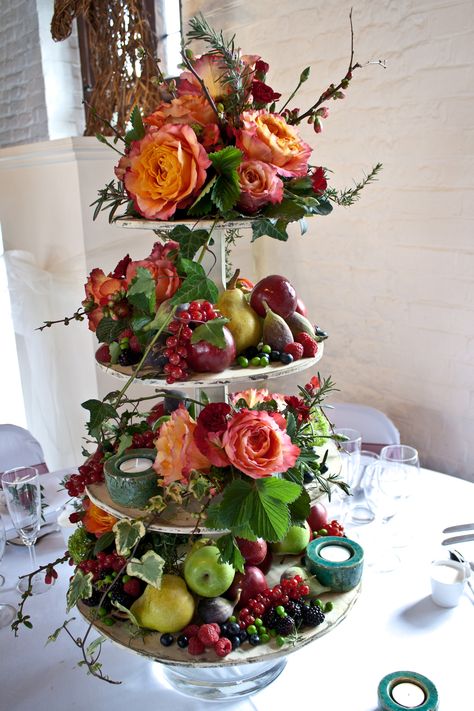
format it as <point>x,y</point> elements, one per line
<point>393,626</point>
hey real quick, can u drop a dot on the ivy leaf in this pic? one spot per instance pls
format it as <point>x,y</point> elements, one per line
<point>195,287</point>
<point>212,332</point>
<point>104,542</point>
<point>127,612</point>
<point>263,227</point>
<point>142,292</point>
<point>190,241</point>
<point>95,644</point>
<point>53,637</point>
<point>115,351</point>
<point>99,413</point>
<point>148,568</point>
<point>230,552</point>
<point>80,588</point>
<point>127,534</point>
<point>108,329</point>
<point>125,441</point>
<point>287,209</point>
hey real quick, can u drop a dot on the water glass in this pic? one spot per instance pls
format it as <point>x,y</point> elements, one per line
<point>349,442</point>
<point>404,464</point>
<point>360,511</point>
<point>7,612</point>
<point>23,496</point>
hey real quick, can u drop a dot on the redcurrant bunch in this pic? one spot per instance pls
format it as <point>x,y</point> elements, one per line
<point>91,472</point>
<point>176,368</point>
<point>104,563</point>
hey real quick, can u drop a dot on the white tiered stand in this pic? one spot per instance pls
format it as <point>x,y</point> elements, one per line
<point>247,669</point>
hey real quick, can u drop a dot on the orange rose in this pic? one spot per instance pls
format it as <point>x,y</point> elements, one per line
<point>167,169</point>
<point>268,138</point>
<point>257,445</point>
<point>186,109</point>
<point>99,288</point>
<point>97,521</point>
<point>177,453</point>
<point>163,272</point>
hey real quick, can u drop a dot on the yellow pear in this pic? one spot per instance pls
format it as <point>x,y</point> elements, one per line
<point>167,609</point>
<point>244,323</point>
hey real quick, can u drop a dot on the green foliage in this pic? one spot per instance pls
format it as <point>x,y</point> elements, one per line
<point>80,588</point>
<point>195,286</point>
<point>105,541</point>
<point>230,552</point>
<point>80,545</point>
<point>142,292</point>
<point>190,241</point>
<point>265,226</point>
<point>127,534</point>
<point>148,568</point>
<point>137,131</point>
<point>212,332</point>
<point>99,413</point>
<point>109,329</point>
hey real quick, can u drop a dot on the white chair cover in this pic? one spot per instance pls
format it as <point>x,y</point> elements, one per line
<point>18,448</point>
<point>376,428</point>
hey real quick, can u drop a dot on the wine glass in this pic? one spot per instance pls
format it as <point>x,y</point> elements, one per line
<point>7,612</point>
<point>23,496</point>
<point>404,462</point>
<point>360,511</point>
<point>349,442</point>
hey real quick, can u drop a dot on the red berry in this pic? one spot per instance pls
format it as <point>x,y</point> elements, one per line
<point>208,634</point>
<point>295,349</point>
<point>223,647</point>
<point>132,587</point>
<point>310,347</point>
<point>195,646</point>
<point>190,631</point>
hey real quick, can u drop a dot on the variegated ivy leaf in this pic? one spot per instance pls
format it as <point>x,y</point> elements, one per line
<point>156,503</point>
<point>96,644</point>
<point>148,568</point>
<point>174,492</point>
<point>80,588</point>
<point>127,612</point>
<point>127,534</point>
<point>198,485</point>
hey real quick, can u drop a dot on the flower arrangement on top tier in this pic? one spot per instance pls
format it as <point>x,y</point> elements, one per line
<point>223,144</point>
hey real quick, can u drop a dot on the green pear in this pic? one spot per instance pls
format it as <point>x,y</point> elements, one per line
<point>244,323</point>
<point>167,609</point>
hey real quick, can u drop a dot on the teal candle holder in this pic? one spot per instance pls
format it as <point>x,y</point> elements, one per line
<point>129,481</point>
<point>336,562</point>
<point>402,690</point>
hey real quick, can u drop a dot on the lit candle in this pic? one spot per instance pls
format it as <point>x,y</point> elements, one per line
<point>136,465</point>
<point>408,694</point>
<point>335,554</point>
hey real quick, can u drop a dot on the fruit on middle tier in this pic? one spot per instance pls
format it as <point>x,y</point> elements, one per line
<point>204,357</point>
<point>167,609</point>
<point>205,574</point>
<point>244,323</point>
<point>277,292</point>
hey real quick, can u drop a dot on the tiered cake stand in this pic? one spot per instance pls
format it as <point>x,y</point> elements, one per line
<point>247,669</point>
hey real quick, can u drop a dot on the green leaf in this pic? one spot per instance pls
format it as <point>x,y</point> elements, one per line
<point>287,209</point>
<point>127,612</point>
<point>299,509</point>
<point>148,568</point>
<point>190,268</point>
<point>285,491</point>
<point>190,241</point>
<point>99,413</point>
<point>270,517</point>
<point>95,644</point>
<point>196,287</point>
<point>104,542</point>
<point>235,510</point>
<point>115,351</point>
<point>305,75</point>
<point>263,227</point>
<point>108,329</point>
<point>127,534</point>
<point>162,317</point>
<point>53,637</point>
<point>125,441</point>
<point>300,185</point>
<point>138,130</point>
<point>212,332</point>
<point>203,204</point>
<point>138,323</point>
<point>324,208</point>
<point>227,160</point>
<point>226,191</point>
<point>291,425</point>
<point>230,552</point>
<point>80,588</point>
<point>142,292</point>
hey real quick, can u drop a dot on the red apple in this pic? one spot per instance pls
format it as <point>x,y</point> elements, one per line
<point>204,357</point>
<point>277,293</point>
<point>102,354</point>
<point>254,552</point>
<point>301,308</point>
<point>251,582</point>
<point>266,563</point>
<point>318,516</point>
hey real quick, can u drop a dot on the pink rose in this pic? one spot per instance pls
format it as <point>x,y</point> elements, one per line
<point>163,272</point>
<point>259,185</point>
<point>268,138</point>
<point>257,446</point>
<point>211,425</point>
<point>166,171</point>
<point>177,454</point>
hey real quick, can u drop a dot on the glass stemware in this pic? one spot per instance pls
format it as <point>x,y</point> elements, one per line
<point>349,442</point>
<point>23,496</point>
<point>7,612</point>
<point>404,463</point>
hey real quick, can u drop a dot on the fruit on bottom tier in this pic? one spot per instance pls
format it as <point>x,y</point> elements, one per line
<point>205,574</point>
<point>167,609</point>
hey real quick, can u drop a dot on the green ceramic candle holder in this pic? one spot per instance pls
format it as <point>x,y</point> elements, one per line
<point>338,572</point>
<point>129,481</point>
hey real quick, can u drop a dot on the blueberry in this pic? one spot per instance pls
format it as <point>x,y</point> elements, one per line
<point>250,352</point>
<point>235,640</point>
<point>225,631</point>
<point>254,640</point>
<point>182,641</point>
<point>275,356</point>
<point>286,358</point>
<point>308,477</point>
<point>166,639</point>
<point>242,636</point>
<point>233,628</point>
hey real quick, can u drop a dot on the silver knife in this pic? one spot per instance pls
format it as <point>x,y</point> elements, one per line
<point>458,539</point>
<point>459,527</point>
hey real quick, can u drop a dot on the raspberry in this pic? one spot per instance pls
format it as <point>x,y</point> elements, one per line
<point>190,631</point>
<point>132,587</point>
<point>195,646</point>
<point>310,347</point>
<point>208,634</point>
<point>222,647</point>
<point>295,349</point>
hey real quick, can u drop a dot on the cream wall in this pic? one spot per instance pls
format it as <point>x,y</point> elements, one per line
<point>391,278</point>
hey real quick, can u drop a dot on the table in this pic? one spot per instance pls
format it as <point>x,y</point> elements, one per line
<point>393,626</point>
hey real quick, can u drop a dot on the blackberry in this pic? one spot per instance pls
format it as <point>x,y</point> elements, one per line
<point>312,616</point>
<point>119,595</point>
<point>293,608</point>
<point>250,352</point>
<point>270,618</point>
<point>285,626</point>
<point>94,599</point>
<point>129,357</point>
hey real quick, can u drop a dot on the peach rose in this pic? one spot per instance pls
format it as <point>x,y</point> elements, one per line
<point>99,287</point>
<point>268,138</point>
<point>177,454</point>
<point>97,521</point>
<point>211,69</point>
<point>254,396</point>
<point>257,446</point>
<point>185,109</point>
<point>167,169</point>
<point>163,272</point>
<point>259,185</point>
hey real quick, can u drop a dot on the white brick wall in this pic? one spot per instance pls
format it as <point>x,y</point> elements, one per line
<point>391,278</point>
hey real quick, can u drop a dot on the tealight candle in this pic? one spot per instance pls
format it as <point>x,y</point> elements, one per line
<point>408,695</point>
<point>335,554</point>
<point>136,465</point>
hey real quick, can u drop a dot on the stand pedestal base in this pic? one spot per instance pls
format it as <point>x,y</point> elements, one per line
<point>224,683</point>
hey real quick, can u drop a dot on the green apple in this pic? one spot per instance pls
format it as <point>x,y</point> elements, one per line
<point>295,540</point>
<point>166,609</point>
<point>204,574</point>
